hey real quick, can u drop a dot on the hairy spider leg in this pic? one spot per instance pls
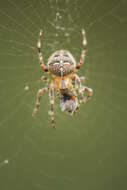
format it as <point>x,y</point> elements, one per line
<point>43,66</point>
<point>83,53</point>
<point>45,79</point>
<point>84,99</point>
<point>39,94</point>
<point>51,96</point>
<point>81,89</point>
<point>82,79</point>
<point>78,86</point>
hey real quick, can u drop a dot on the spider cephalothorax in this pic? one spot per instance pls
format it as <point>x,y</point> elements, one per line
<point>61,63</point>
<point>62,68</point>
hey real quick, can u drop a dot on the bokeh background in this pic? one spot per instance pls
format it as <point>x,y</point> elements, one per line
<point>86,151</point>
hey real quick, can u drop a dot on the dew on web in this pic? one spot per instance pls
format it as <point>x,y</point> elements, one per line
<point>26,88</point>
<point>3,163</point>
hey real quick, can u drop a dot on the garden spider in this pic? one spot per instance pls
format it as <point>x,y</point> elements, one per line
<point>62,69</point>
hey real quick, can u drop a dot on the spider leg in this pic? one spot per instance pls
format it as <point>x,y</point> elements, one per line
<point>84,99</point>
<point>82,79</point>
<point>83,53</point>
<point>43,66</point>
<point>45,79</point>
<point>39,94</point>
<point>51,96</point>
<point>78,81</point>
<point>78,86</point>
<point>82,89</point>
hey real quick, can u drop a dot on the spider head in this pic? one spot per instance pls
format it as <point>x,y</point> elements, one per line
<point>61,63</point>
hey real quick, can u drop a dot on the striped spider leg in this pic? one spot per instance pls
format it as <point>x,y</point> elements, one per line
<point>82,89</point>
<point>44,79</point>
<point>83,53</point>
<point>42,65</point>
<point>51,97</point>
<point>89,91</point>
<point>79,80</point>
<point>39,94</point>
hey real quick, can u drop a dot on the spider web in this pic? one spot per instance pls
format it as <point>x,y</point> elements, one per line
<point>31,143</point>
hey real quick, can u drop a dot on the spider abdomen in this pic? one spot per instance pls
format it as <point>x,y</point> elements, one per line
<point>61,63</point>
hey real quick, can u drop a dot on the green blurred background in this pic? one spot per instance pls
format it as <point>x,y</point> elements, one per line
<point>87,151</point>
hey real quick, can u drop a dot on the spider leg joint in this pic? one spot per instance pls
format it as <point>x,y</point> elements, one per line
<point>40,34</point>
<point>38,44</point>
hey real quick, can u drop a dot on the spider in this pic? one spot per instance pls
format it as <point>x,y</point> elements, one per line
<point>62,79</point>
